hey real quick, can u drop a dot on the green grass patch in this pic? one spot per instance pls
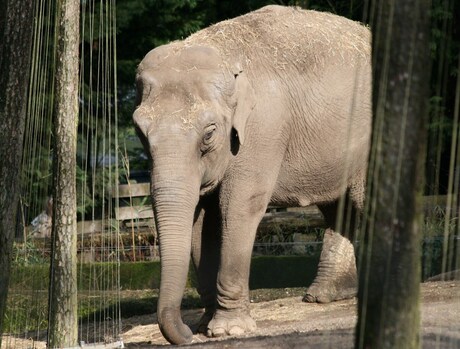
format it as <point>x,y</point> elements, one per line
<point>26,311</point>
<point>266,272</point>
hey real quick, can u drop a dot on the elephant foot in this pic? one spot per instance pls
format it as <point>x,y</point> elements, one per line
<point>337,276</point>
<point>230,322</point>
<point>328,293</point>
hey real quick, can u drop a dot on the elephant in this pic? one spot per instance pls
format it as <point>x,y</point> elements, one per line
<point>272,107</point>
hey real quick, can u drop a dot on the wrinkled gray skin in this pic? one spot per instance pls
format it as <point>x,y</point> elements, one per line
<point>268,108</point>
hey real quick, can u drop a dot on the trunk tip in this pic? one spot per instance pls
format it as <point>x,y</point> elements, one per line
<point>172,327</point>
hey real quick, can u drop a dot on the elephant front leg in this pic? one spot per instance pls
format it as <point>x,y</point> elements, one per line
<point>232,316</point>
<point>240,220</point>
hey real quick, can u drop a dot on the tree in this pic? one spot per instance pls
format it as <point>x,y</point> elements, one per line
<point>63,315</point>
<point>15,43</point>
<point>390,265</point>
<point>445,47</point>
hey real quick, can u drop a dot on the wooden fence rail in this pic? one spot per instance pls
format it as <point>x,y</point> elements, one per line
<point>311,214</point>
<point>127,211</point>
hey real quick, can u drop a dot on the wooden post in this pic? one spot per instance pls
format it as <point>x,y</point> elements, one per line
<point>16,27</point>
<point>63,317</point>
<point>389,288</point>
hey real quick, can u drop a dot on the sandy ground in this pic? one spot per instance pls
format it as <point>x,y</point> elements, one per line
<point>290,323</point>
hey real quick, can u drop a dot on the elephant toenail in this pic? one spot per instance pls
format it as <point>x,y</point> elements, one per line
<point>217,332</point>
<point>235,330</point>
<point>308,298</point>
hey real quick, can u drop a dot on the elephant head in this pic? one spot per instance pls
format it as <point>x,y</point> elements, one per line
<point>192,112</point>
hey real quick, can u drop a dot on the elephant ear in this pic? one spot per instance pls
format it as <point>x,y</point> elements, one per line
<point>245,102</point>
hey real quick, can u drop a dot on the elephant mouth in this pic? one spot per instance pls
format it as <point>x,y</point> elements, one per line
<point>208,187</point>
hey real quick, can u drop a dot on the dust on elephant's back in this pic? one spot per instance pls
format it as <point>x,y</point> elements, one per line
<point>289,39</point>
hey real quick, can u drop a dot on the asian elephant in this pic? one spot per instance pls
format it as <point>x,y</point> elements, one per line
<point>272,107</point>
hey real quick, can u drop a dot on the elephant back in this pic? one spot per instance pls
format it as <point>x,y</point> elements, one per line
<point>288,38</point>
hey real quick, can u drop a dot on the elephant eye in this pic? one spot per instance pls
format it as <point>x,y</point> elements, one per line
<point>208,138</point>
<point>209,134</point>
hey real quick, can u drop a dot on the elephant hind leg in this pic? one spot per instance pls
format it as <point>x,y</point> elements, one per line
<point>336,278</point>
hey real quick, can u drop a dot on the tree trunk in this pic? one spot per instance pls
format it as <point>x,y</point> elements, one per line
<point>389,314</point>
<point>63,317</point>
<point>16,24</point>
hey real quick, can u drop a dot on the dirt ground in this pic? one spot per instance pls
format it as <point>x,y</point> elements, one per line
<point>287,322</point>
<point>290,323</point>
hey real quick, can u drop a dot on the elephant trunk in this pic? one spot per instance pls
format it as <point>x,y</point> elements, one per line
<point>174,203</point>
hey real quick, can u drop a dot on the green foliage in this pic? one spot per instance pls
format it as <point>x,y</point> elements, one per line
<point>143,25</point>
<point>441,122</point>
<point>84,198</point>
<point>445,48</point>
<point>36,178</point>
<point>27,253</point>
<point>445,42</point>
<point>92,186</point>
<point>435,224</point>
<point>132,152</point>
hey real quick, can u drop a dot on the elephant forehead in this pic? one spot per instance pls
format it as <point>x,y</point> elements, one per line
<point>192,58</point>
<point>185,113</point>
<point>182,57</point>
